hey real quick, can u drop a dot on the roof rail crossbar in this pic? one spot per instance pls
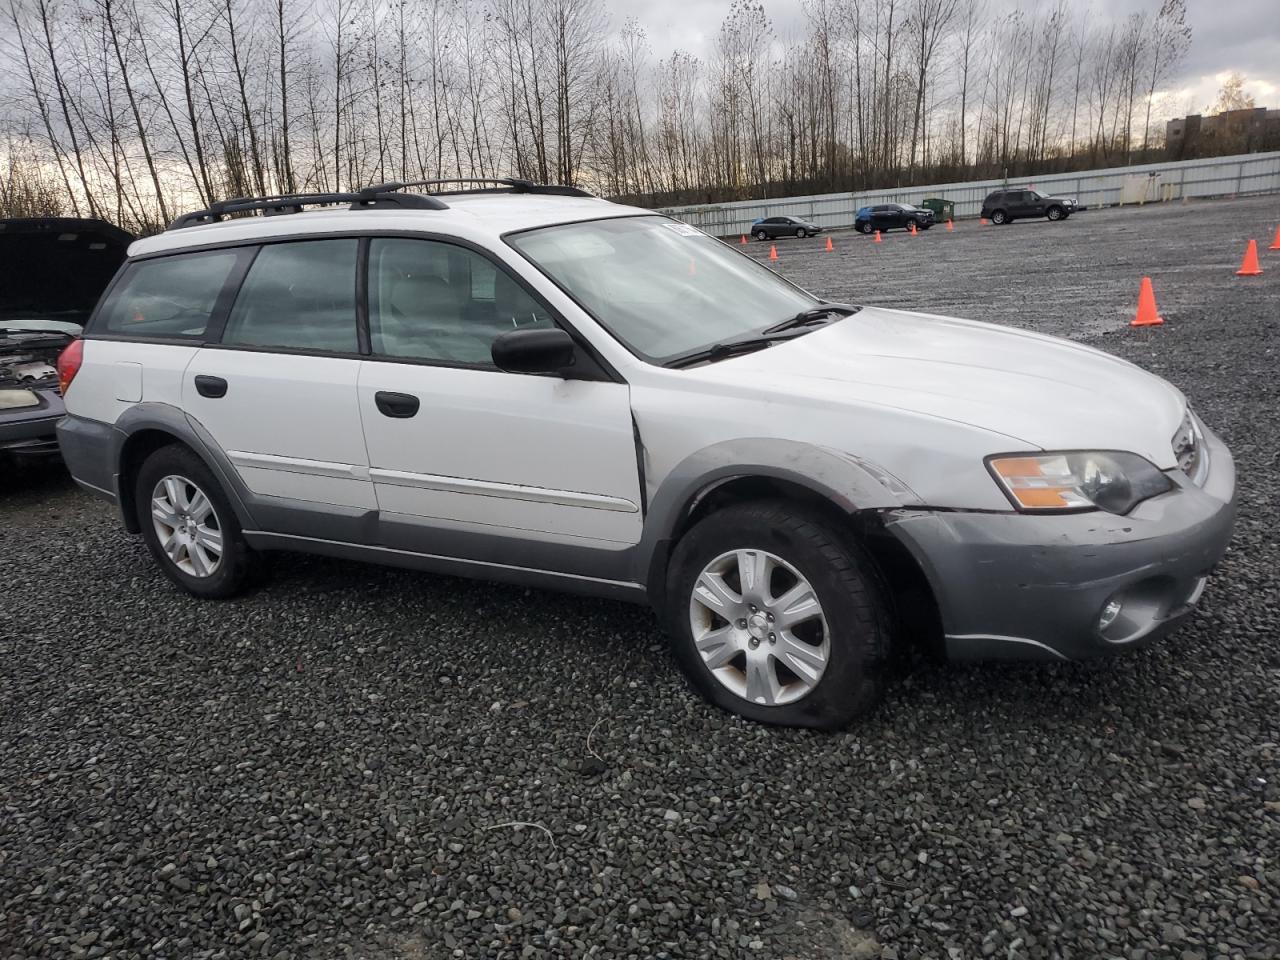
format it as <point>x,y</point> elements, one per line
<point>294,202</point>
<point>477,185</point>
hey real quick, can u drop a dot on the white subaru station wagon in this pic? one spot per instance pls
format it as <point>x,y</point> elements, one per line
<point>529,384</point>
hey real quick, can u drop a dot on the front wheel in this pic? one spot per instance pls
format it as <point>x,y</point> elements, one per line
<point>801,234</point>
<point>999,216</point>
<point>761,235</point>
<point>1055,213</point>
<point>778,617</point>
<point>189,526</point>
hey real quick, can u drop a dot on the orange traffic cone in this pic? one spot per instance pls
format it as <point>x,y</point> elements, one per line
<point>878,237</point>
<point>743,241</point>
<point>913,228</point>
<point>1146,315</point>
<point>1250,268</point>
<point>950,226</point>
<point>830,247</point>
<point>1275,244</point>
<point>773,252</point>
<point>983,221</point>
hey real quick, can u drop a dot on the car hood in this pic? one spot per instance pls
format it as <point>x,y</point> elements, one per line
<point>55,268</point>
<point>1039,391</point>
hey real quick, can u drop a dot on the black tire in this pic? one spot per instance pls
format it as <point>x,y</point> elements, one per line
<point>864,227</point>
<point>999,217</point>
<point>1056,212</point>
<point>761,235</point>
<point>847,586</point>
<point>238,562</point>
<point>801,234</point>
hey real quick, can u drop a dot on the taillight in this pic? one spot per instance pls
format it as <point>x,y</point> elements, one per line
<point>69,362</point>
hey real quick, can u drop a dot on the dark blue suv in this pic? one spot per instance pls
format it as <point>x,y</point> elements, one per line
<point>886,216</point>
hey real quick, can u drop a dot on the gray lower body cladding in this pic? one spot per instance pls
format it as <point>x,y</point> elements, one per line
<point>1021,586</point>
<point>1007,585</point>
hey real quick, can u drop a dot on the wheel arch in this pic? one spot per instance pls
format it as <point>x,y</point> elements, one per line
<point>839,488</point>
<point>147,428</point>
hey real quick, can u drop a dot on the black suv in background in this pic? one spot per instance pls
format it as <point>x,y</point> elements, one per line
<point>771,228</point>
<point>1005,206</point>
<point>886,216</point>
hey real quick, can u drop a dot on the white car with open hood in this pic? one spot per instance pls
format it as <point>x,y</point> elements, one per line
<point>529,384</point>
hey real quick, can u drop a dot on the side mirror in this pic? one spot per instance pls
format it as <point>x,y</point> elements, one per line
<point>534,351</point>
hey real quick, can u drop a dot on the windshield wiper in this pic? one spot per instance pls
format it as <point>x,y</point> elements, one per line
<point>811,315</point>
<point>788,329</point>
<point>733,348</point>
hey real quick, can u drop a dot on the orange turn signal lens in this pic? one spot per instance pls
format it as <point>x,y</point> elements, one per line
<point>1040,483</point>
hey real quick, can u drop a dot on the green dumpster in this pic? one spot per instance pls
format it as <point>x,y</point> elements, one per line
<point>942,209</point>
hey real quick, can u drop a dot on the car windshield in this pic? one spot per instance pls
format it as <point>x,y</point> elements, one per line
<point>661,287</point>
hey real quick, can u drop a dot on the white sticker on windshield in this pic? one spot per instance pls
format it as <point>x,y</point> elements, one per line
<point>683,229</point>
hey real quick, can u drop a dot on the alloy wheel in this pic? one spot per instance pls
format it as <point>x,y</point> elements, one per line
<point>759,627</point>
<point>187,526</point>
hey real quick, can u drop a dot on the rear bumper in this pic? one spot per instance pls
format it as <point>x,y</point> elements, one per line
<point>90,451</point>
<point>1024,587</point>
<point>30,431</point>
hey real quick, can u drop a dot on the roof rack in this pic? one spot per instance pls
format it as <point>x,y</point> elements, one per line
<point>378,195</point>
<point>294,202</point>
<point>503,185</point>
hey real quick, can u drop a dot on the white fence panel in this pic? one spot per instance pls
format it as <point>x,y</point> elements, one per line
<point>1257,173</point>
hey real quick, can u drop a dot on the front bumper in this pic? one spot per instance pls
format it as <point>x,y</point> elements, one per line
<point>1032,587</point>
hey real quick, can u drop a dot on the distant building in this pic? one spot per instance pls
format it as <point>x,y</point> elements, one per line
<point>1233,131</point>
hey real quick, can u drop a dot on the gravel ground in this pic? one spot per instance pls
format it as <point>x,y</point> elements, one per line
<point>339,764</point>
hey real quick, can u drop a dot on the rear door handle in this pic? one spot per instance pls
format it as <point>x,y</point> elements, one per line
<point>211,387</point>
<point>401,406</point>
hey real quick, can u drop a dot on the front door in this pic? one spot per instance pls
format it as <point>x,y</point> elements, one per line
<point>458,447</point>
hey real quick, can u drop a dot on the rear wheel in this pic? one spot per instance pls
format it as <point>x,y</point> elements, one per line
<point>999,216</point>
<point>189,526</point>
<point>778,617</point>
<point>1055,213</point>
<point>761,235</point>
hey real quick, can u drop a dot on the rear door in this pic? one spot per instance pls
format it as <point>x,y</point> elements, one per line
<point>457,446</point>
<point>278,391</point>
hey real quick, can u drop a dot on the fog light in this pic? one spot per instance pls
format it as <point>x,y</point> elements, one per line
<point>1109,614</point>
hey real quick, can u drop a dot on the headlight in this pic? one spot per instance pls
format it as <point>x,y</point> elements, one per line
<point>1058,482</point>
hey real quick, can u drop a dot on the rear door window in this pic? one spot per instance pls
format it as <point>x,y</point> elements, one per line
<point>167,297</point>
<point>299,295</point>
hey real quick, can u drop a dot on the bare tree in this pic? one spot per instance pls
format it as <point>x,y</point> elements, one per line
<point>1170,40</point>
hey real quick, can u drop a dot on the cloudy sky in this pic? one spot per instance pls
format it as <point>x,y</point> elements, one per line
<point>1227,35</point>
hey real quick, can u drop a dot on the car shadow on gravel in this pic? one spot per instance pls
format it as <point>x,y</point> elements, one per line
<point>443,618</point>
<point>25,481</point>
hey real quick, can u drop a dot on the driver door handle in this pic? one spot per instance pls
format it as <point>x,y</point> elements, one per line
<point>399,406</point>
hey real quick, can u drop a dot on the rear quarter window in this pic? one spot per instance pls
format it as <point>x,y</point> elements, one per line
<point>166,297</point>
